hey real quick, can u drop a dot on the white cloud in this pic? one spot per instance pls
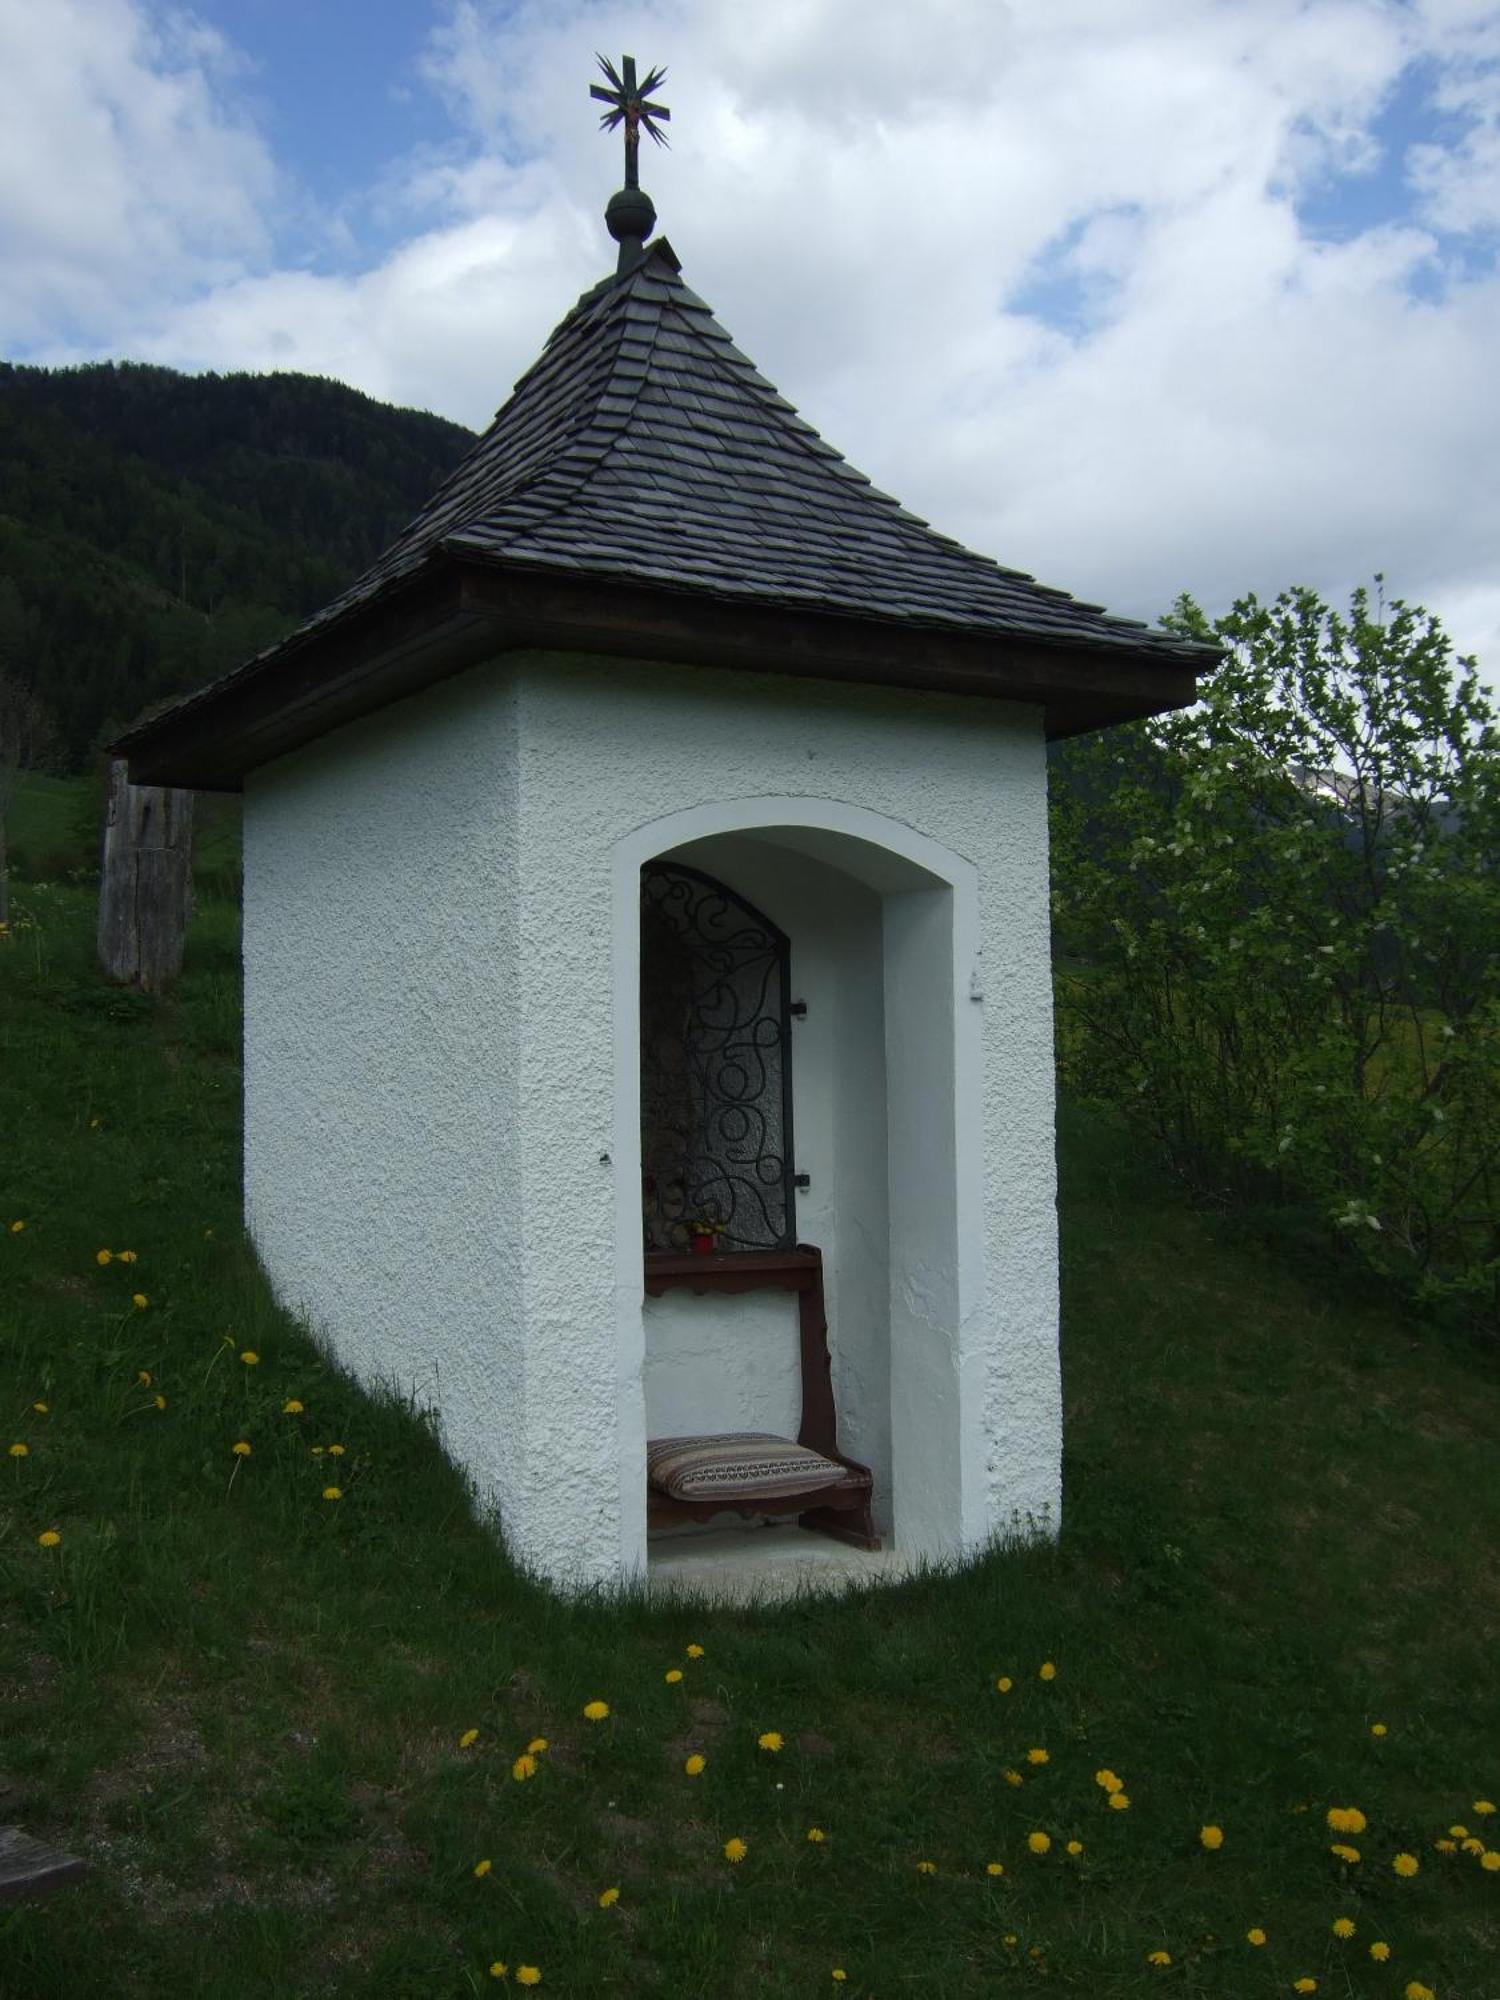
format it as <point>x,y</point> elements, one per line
<point>124,173</point>
<point>879,205</point>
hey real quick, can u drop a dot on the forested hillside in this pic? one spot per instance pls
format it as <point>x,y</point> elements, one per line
<point>157,528</point>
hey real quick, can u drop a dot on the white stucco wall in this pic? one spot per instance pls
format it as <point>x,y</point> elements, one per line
<point>381,1062</point>
<point>442,1135</point>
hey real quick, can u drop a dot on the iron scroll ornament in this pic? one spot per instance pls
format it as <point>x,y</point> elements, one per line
<point>716,1086</point>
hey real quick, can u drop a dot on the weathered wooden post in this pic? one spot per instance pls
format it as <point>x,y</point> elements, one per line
<point>146,884</point>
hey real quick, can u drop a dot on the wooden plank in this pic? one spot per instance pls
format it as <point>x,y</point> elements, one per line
<point>448,618</point>
<point>30,1869</point>
<point>146,882</point>
<point>733,1270</point>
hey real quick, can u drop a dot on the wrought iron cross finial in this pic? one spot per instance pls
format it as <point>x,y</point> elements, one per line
<point>630,106</point>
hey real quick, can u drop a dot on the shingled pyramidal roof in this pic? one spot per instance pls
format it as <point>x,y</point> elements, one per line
<point>643,460</point>
<point>643,444</point>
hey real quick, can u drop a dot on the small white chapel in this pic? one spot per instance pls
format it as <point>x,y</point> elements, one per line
<point>648,1045</point>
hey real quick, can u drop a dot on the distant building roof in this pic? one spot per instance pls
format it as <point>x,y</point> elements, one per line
<point>647,492</point>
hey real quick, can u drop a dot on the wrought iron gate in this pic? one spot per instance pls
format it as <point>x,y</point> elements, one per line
<point>716,1085</point>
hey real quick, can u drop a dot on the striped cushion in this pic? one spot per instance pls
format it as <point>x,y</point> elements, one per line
<point>736,1465</point>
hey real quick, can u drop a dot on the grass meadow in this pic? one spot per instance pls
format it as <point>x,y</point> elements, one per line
<point>340,1747</point>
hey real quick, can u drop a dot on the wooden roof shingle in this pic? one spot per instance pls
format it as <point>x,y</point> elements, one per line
<point>646,490</point>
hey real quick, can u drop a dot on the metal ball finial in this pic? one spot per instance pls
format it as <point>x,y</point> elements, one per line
<point>630,216</point>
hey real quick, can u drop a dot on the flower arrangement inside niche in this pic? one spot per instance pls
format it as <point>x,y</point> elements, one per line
<point>704,1232</point>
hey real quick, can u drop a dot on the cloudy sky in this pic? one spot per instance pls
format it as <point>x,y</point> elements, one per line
<point>1140,295</point>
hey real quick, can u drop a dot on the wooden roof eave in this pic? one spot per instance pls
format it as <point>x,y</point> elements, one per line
<point>453,613</point>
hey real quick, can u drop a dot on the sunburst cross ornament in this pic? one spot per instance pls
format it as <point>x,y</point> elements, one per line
<point>630,106</point>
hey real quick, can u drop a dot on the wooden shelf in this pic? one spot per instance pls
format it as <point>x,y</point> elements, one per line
<point>798,1270</point>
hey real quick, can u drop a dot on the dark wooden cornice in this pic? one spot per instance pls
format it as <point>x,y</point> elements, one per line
<point>452,614</point>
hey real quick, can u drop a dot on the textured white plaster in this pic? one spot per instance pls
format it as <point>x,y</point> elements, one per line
<point>441,957</point>
<point>726,1364</point>
<point>380,1056</point>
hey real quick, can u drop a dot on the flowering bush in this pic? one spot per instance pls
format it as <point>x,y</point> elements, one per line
<point>1275,917</point>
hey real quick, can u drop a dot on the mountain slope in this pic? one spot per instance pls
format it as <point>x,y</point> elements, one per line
<point>155,528</point>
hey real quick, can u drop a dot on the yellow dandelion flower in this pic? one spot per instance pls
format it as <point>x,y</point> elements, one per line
<point>1379,1729</point>
<point>499,1969</point>
<point>1158,1958</point>
<point>1014,1778</point>
<point>1119,1802</point>
<point>139,1301</point>
<point>127,1257</point>
<point>1039,1843</point>
<point>1458,1833</point>
<point>16,1228</point>
<point>19,1450</point>
<point>1038,1757</point>
<point>482,1868</point>
<point>1211,1837</point>
<point>595,1711</point>
<point>160,1402</point>
<point>994,1867</point>
<point>1107,1781</point>
<point>1005,1684</point>
<point>1484,1807</point>
<point>1415,1990</point>
<point>469,1738</point>
<point>1346,1819</point>
<point>242,1449</point>
<point>104,1256</point>
<point>927,1868</point>
<point>839,1975</point>
<point>816,1835</point>
<point>143,1376</point>
<point>48,1538</point>
<point>672,1676</point>
<point>1446,1846</point>
<point>1473,1845</point>
<point>1255,1935</point>
<point>769,1739</point>
<point>1075,1847</point>
<point>536,1746</point>
<point>1343,1927</point>
<point>523,1768</point>
<point>1380,1951</point>
<point>1046,1671</point>
<point>40,1408</point>
<point>608,1898</point>
<point>735,1849</point>
<point>333,1492</point>
<point>1406,1864</point>
<point>1010,1940</point>
<point>694,1765</point>
<point>528,1975</point>
<point>1304,1985</point>
<point>1489,1861</point>
<point>335,1451</point>
<point>1344,1851</point>
<point>695,1651</point>
<point>291,1407</point>
<point>250,1358</point>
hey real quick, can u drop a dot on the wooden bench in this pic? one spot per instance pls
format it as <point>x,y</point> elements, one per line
<point>29,1869</point>
<point>842,1510</point>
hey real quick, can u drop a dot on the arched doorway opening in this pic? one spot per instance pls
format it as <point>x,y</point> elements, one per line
<point>881,1057</point>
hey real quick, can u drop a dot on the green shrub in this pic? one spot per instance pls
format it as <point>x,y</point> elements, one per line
<point>1276,916</point>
